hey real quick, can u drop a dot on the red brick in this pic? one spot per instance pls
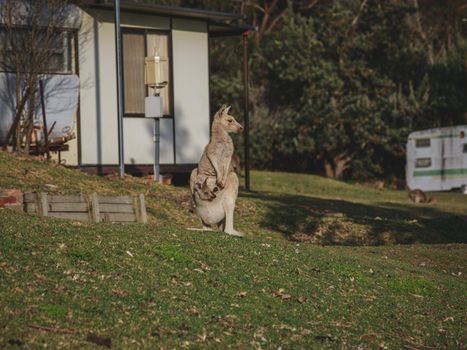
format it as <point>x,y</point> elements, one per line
<point>5,200</point>
<point>11,198</point>
<point>11,192</point>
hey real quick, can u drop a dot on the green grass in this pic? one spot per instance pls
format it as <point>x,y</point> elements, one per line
<point>324,211</point>
<point>161,286</point>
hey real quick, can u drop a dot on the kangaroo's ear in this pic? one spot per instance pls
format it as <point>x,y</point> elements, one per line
<point>220,112</point>
<point>227,109</point>
<point>205,183</point>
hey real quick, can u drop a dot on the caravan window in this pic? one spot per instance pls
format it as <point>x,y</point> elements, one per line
<point>423,163</point>
<point>137,44</point>
<point>465,147</point>
<point>421,143</point>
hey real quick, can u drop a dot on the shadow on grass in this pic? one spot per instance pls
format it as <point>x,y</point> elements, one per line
<point>339,222</point>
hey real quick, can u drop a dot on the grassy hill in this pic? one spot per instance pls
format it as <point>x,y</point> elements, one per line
<point>69,284</point>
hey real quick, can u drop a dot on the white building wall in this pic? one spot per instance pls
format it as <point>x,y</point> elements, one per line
<point>139,144</point>
<point>98,96</point>
<point>98,101</point>
<point>191,89</point>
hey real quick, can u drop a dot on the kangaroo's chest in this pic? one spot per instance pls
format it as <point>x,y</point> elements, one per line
<point>224,150</point>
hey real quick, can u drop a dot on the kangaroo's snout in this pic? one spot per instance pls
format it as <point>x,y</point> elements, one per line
<point>238,127</point>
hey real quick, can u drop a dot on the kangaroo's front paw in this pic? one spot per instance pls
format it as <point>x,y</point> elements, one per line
<point>220,184</point>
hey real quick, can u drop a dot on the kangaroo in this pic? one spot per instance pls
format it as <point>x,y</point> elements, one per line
<point>218,211</point>
<point>420,197</point>
<point>202,191</point>
<point>236,165</point>
<point>214,184</point>
<point>217,156</point>
<point>208,193</point>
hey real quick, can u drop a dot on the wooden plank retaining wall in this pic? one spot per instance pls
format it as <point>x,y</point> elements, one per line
<point>92,207</point>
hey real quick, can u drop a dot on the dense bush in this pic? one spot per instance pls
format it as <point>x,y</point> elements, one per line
<point>336,86</point>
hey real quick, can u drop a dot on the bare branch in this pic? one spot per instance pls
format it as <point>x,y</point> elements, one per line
<point>309,6</point>
<point>357,17</point>
<point>421,32</point>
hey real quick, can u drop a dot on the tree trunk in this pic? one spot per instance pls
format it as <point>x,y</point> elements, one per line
<point>336,166</point>
<point>29,123</point>
<point>328,169</point>
<point>16,120</point>
<point>422,34</point>
<point>340,166</point>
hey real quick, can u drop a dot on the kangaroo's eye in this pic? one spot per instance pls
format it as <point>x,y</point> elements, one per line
<point>230,120</point>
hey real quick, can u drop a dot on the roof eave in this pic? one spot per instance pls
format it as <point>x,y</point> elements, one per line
<point>219,29</point>
<point>164,10</point>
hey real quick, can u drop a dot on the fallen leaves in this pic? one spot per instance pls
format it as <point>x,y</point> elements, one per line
<point>202,337</point>
<point>119,293</point>
<point>282,294</point>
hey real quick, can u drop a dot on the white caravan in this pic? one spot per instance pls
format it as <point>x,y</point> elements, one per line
<point>437,159</point>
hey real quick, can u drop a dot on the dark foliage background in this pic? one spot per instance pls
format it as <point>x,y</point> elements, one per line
<point>337,86</point>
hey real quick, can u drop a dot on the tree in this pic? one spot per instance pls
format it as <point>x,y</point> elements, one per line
<point>30,35</point>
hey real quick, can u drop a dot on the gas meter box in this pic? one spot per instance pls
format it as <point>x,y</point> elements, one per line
<point>156,71</point>
<point>153,107</point>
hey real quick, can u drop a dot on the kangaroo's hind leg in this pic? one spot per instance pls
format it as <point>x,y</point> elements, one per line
<point>228,203</point>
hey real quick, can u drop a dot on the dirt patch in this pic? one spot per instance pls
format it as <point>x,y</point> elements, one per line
<point>336,230</point>
<point>181,199</point>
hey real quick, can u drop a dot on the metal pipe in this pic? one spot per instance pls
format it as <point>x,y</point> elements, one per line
<point>118,53</point>
<point>157,134</point>
<point>246,121</point>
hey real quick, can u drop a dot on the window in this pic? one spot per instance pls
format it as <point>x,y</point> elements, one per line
<point>423,163</point>
<point>465,148</point>
<point>137,44</point>
<point>60,54</point>
<point>53,52</point>
<point>421,143</point>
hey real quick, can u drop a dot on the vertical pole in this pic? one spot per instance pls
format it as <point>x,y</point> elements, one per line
<point>44,119</point>
<point>42,204</point>
<point>157,134</point>
<point>140,209</point>
<point>246,121</point>
<point>93,202</point>
<point>118,53</point>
